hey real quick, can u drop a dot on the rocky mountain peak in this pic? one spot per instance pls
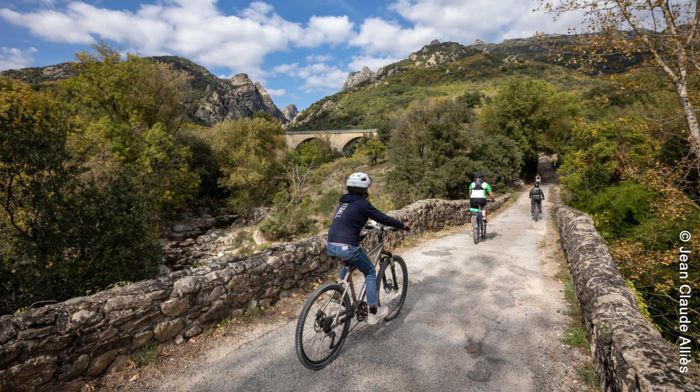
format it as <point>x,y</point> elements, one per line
<point>240,79</point>
<point>358,77</point>
<point>290,112</point>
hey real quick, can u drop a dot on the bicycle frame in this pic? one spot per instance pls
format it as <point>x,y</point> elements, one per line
<point>375,255</point>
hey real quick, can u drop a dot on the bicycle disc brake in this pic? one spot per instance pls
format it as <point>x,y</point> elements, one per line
<point>362,311</point>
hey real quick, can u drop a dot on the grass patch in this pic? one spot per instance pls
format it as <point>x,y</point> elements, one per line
<point>149,355</point>
<point>575,336</point>
<point>588,375</point>
<point>250,314</point>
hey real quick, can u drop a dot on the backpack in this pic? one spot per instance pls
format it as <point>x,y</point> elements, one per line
<point>536,194</point>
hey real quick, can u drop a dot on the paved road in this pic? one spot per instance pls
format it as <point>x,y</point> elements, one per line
<point>486,317</point>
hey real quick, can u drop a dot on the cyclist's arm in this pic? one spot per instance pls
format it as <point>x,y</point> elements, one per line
<point>490,192</point>
<point>383,218</point>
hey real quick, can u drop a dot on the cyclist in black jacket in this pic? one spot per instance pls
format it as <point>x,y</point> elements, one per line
<point>344,237</point>
<point>536,197</point>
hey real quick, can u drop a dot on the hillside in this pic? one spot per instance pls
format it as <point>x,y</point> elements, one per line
<point>446,69</point>
<point>213,99</point>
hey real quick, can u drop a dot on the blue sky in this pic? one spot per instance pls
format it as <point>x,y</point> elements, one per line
<point>300,51</point>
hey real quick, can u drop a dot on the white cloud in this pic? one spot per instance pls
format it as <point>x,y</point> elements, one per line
<point>327,29</point>
<point>319,58</point>
<point>379,36</point>
<point>13,58</point>
<point>192,28</point>
<point>317,76</point>
<point>467,20</point>
<point>276,92</point>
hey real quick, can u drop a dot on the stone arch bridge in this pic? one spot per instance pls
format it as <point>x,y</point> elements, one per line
<point>339,139</point>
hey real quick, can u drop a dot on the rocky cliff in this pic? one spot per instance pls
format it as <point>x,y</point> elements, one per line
<point>290,112</point>
<point>213,98</point>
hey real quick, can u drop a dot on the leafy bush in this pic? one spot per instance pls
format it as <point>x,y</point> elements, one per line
<point>64,231</point>
<point>620,209</point>
<point>248,152</point>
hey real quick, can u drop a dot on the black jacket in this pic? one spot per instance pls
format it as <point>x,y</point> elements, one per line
<point>351,216</point>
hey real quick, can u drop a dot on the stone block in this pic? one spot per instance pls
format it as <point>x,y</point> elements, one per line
<point>175,307</point>
<point>84,318</point>
<point>186,285</point>
<point>125,302</point>
<point>141,339</point>
<point>100,363</point>
<point>168,329</point>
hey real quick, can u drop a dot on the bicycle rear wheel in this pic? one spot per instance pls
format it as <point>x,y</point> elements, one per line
<point>475,229</point>
<point>537,213</point>
<point>323,324</point>
<point>392,284</point>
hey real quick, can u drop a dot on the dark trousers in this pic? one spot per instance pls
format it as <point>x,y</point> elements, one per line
<point>534,203</point>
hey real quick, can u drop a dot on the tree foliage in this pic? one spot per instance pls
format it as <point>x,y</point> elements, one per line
<point>249,151</point>
<point>533,114</point>
<point>63,230</point>
<point>435,151</point>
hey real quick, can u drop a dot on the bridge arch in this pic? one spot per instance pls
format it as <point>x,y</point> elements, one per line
<point>350,146</point>
<point>338,139</point>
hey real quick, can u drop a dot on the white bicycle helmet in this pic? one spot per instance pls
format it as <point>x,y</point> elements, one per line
<point>359,180</point>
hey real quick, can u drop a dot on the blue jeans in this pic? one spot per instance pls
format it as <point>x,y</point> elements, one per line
<point>356,257</point>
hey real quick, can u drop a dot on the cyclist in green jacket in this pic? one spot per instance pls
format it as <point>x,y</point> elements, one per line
<point>478,190</point>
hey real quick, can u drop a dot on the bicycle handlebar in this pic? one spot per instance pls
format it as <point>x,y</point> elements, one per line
<point>377,226</point>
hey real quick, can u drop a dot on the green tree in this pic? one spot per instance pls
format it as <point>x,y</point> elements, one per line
<point>249,151</point>
<point>533,114</point>
<point>127,113</point>
<point>64,229</point>
<point>601,154</point>
<point>372,149</point>
<point>428,148</point>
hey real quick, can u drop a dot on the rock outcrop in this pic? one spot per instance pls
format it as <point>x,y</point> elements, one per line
<point>59,346</point>
<point>358,78</point>
<point>290,112</point>
<point>629,353</point>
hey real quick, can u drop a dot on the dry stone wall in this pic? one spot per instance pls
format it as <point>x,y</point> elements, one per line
<point>59,346</point>
<point>629,353</point>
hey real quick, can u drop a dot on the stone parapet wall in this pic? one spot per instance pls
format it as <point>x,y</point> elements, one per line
<point>59,346</point>
<point>630,355</point>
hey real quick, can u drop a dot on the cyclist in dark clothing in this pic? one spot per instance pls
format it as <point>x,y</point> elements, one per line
<point>536,197</point>
<point>344,237</point>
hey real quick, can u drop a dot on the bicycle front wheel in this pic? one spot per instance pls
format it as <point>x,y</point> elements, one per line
<point>323,324</point>
<point>392,285</point>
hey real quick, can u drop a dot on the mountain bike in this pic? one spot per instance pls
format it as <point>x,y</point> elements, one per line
<point>325,319</point>
<point>535,210</point>
<point>478,224</point>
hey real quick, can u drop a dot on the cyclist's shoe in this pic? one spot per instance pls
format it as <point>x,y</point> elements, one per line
<point>486,220</point>
<point>382,311</point>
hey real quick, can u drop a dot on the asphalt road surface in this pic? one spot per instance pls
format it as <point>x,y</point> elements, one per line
<point>486,317</point>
